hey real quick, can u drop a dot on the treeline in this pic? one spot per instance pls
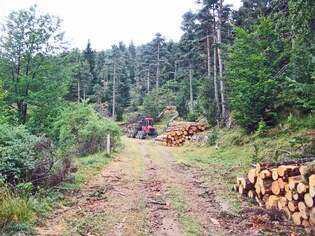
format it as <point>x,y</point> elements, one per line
<point>252,66</point>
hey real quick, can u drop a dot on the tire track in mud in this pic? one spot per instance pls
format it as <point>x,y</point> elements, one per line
<point>161,217</point>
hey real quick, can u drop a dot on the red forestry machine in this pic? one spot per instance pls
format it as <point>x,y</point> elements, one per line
<point>142,129</point>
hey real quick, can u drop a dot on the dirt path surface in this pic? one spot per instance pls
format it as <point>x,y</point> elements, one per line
<point>144,191</point>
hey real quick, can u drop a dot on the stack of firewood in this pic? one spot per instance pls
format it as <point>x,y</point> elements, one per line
<point>288,186</point>
<point>178,132</point>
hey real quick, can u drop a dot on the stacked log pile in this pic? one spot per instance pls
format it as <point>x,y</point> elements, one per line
<point>288,186</point>
<point>178,132</point>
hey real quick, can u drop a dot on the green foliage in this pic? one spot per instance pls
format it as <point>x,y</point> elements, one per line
<point>253,88</point>
<point>213,137</point>
<point>192,116</point>
<point>72,119</point>
<point>17,154</point>
<point>296,122</point>
<point>79,124</point>
<point>262,129</point>
<point>27,41</point>
<point>151,105</point>
<point>93,136</point>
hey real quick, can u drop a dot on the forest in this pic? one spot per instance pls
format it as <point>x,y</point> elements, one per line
<point>250,71</point>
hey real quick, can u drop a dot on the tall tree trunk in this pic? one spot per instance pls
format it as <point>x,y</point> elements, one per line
<point>148,81</point>
<point>78,90</point>
<point>22,110</point>
<point>223,108</point>
<point>158,66</point>
<point>215,83</point>
<point>114,94</point>
<point>209,57</point>
<point>191,101</point>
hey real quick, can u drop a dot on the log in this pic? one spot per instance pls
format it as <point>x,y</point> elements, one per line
<point>293,206</point>
<point>275,175</point>
<point>293,182</point>
<point>301,188</point>
<point>306,223</point>
<point>252,175</point>
<point>281,184</point>
<point>265,186</point>
<point>297,196</point>
<point>275,188</point>
<point>312,191</point>
<point>265,174</point>
<point>301,206</point>
<point>288,171</point>
<point>272,202</point>
<point>309,200</point>
<point>262,166</point>
<point>311,181</point>
<point>251,194</point>
<point>287,213</point>
<point>297,218</point>
<point>312,216</point>
<point>282,203</point>
<point>288,195</point>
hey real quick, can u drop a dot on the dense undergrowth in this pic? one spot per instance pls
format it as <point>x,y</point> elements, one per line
<point>36,170</point>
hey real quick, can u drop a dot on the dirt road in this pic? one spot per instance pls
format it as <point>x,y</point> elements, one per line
<point>144,191</point>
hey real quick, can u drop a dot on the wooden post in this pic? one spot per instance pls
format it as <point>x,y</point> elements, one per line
<point>108,144</point>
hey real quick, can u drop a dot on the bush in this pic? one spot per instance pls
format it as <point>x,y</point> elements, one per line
<point>80,126</point>
<point>213,137</point>
<point>192,116</point>
<point>17,153</point>
<point>72,119</point>
<point>93,137</point>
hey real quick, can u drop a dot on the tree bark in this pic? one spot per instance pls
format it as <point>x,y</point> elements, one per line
<point>114,93</point>
<point>215,83</point>
<point>79,96</point>
<point>191,102</point>
<point>148,81</point>
<point>158,66</point>
<point>223,108</point>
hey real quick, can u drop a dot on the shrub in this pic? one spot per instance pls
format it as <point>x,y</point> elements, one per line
<point>17,153</point>
<point>70,122</point>
<point>192,116</point>
<point>262,129</point>
<point>93,137</point>
<point>80,126</point>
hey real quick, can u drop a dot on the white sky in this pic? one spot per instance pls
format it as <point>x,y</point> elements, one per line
<point>106,22</point>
